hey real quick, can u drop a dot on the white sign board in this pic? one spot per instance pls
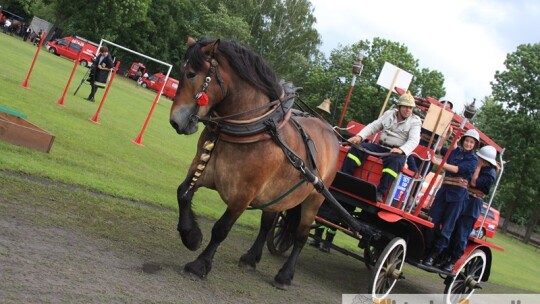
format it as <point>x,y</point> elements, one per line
<point>391,76</point>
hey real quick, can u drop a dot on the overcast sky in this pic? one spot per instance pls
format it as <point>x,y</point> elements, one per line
<point>465,40</point>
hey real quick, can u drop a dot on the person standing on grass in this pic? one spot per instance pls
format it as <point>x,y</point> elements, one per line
<point>101,66</point>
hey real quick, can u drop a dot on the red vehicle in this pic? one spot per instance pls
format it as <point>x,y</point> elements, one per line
<point>136,70</point>
<point>155,82</point>
<point>71,46</point>
<point>490,225</point>
<point>391,233</point>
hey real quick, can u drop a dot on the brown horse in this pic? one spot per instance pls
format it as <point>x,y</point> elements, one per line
<point>238,97</point>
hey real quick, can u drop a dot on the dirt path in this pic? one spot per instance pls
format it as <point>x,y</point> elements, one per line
<point>61,244</point>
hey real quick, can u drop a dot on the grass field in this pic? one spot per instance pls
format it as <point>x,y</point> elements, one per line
<point>103,158</point>
<point>100,156</point>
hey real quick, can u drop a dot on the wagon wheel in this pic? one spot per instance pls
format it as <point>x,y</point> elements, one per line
<point>372,251</point>
<point>467,278</point>
<point>388,268</point>
<point>280,238</point>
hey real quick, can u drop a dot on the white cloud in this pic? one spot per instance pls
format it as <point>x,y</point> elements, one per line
<point>465,40</point>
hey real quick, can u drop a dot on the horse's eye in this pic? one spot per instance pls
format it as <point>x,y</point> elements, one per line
<point>191,75</point>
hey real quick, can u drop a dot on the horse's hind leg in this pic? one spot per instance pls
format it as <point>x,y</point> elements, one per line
<point>190,233</point>
<point>285,275</point>
<point>203,264</point>
<point>254,254</point>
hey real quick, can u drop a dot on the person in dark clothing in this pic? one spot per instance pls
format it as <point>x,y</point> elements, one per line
<point>450,198</point>
<point>101,66</point>
<point>481,182</point>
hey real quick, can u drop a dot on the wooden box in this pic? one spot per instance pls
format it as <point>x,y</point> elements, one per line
<point>18,131</point>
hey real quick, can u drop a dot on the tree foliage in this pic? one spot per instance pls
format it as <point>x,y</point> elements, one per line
<point>512,119</point>
<point>367,97</point>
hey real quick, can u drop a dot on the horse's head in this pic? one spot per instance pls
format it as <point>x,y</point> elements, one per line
<point>201,86</point>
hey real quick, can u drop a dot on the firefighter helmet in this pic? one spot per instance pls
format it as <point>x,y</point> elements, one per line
<point>488,153</point>
<point>471,133</point>
<point>406,100</point>
<point>448,102</point>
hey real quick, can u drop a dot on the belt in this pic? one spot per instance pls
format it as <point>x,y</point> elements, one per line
<point>456,181</point>
<point>476,193</point>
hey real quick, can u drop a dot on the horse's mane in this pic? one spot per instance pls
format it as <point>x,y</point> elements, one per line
<point>248,65</point>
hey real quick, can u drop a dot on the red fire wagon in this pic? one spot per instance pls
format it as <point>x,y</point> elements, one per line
<point>71,46</point>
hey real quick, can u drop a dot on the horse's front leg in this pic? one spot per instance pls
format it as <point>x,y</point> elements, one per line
<point>203,264</point>
<point>254,254</point>
<point>189,230</point>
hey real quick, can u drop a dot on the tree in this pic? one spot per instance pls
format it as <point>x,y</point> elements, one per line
<point>368,97</point>
<point>516,125</point>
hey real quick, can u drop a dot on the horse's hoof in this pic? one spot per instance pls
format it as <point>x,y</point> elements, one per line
<point>280,286</point>
<point>192,239</point>
<point>248,261</point>
<point>190,276</point>
<point>199,267</point>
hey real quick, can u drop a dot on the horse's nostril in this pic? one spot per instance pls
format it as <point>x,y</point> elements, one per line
<point>174,124</point>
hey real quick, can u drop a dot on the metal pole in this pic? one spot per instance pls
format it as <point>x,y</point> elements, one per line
<point>347,99</point>
<point>356,71</point>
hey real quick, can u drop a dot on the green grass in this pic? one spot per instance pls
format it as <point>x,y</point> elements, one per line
<point>102,157</point>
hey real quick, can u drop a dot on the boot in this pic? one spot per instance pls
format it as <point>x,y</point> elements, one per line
<point>318,233</point>
<point>430,259</point>
<point>325,246</point>
<point>449,266</point>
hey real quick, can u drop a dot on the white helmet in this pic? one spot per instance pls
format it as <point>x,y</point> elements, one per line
<point>471,133</point>
<point>406,100</point>
<point>488,153</point>
<point>448,102</point>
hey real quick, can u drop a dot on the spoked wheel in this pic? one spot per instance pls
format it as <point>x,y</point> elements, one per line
<point>280,237</point>
<point>388,268</point>
<point>467,278</point>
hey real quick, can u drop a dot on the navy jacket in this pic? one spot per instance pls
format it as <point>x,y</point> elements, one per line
<point>466,162</point>
<point>485,180</point>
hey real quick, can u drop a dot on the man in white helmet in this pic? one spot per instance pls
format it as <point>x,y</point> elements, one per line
<point>400,136</point>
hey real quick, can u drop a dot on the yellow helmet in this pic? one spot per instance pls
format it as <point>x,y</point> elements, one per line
<point>406,100</point>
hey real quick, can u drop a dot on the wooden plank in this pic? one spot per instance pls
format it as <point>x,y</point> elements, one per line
<point>19,131</point>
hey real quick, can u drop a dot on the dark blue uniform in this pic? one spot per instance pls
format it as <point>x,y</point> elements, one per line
<point>449,201</point>
<point>471,212</point>
<point>392,163</point>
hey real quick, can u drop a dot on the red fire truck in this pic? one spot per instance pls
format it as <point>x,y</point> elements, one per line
<point>155,82</point>
<point>134,69</point>
<point>71,46</point>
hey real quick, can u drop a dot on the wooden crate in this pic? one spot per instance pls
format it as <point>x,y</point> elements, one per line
<point>18,131</point>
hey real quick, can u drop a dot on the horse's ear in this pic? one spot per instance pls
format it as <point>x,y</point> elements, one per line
<point>190,41</point>
<point>215,46</point>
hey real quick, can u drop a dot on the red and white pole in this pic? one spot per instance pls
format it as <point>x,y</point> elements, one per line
<point>25,83</point>
<point>95,119</point>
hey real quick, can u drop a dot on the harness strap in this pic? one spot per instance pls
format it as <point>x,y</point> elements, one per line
<point>302,181</point>
<point>310,146</point>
